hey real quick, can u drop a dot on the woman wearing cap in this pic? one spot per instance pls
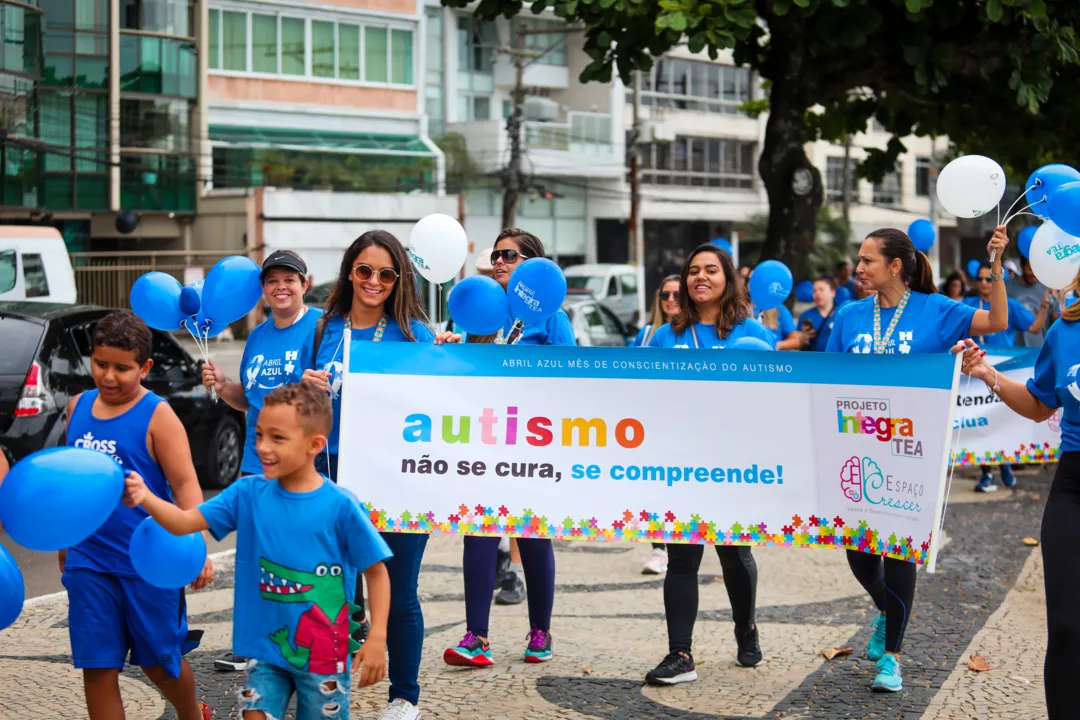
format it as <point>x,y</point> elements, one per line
<point>276,353</point>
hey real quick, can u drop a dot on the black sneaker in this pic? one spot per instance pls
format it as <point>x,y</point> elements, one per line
<point>231,663</point>
<point>676,668</point>
<point>511,590</point>
<point>749,654</point>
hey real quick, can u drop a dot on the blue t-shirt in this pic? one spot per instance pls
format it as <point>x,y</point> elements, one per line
<point>123,438</point>
<point>707,338</point>
<point>821,325</point>
<point>1055,382</point>
<point>273,356</point>
<point>556,330</point>
<point>785,323</point>
<point>332,357</point>
<point>930,323</point>
<point>639,341</point>
<point>297,556</point>
<point>1020,319</point>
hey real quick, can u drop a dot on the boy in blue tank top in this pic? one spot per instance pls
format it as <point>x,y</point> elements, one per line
<point>112,612</point>
<point>300,542</point>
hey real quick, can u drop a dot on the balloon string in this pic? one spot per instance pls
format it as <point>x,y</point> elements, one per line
<point>206,349</point>
<point>1018,214</point>
<point>1022,210</point>
<point>952,471</point>
<point>1018,199</point>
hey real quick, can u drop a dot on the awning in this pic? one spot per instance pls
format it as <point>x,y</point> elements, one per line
<point>321,141</point>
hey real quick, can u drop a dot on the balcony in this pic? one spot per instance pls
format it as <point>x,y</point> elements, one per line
<point>583,146</point>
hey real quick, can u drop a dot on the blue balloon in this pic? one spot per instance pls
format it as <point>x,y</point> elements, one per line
<point>165,560</point>
<point>750,343</point>
<point>973,268</point>
<point>12,589</point>
<point>843,295</point>
<point>1023,240</point>
<point>155,297</point>
<point>57,498</point>
<point>478,305</point>
<point>804,291</point>
<point>1045,180</point>
<point>724,245</point>
<point>770,284</point>
<point>231,290</point>
<point>536,290</point>
<point>190,301</point>
<point>922,234</point>
<point>1063,207</point>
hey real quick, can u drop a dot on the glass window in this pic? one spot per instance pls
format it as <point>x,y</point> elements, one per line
<point>592,317</point>
<point>91,131</point>
<point>293,47</point>
<point>701,162</point>
<point>264,43</point>
<point>172,17</point>
<point>694,85</point>
<point>56,128</point>
<point>157,66</point>
<point>322,49</point>
<point>234,41</point>
<point>476,45</point>
<point>922,176</point>
<point>348,51</point>
<point>834,180</point>
<point>888,191</point>
<point>37,285</point>
<point>158,124</point>
<point>628,284</point>
<point>550,48</point>
<point>157,182</point>
<point>401,57</point>
<point>375,54</point>
<point>171,364</point>
<point>215,40</point>
<point>7,270</point>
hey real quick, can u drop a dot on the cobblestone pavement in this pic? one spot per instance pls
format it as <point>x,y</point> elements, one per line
<point>609,630</point>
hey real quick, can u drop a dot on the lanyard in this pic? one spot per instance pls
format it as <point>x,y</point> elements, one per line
<point>379,329</point>
<point>514,335</point>
<point>881,342</point>
<point>693,331</point>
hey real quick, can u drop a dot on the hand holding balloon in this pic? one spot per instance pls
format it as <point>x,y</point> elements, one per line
<point>997,244</point>
<point>213,377</point>
<point>318,378</point>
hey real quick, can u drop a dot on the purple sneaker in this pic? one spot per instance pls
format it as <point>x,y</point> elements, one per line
<point>539,649</point>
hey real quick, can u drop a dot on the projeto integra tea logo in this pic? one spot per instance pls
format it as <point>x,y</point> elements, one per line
<point>418,261</point>
<point>861,480</point>
<point>873,417</point>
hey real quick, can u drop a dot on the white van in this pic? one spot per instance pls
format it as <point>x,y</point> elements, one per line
<point>615,285</point>
<point>34,265</point>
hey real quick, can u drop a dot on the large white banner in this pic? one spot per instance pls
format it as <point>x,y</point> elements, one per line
<point>732,447</point>
<point>987,432</point>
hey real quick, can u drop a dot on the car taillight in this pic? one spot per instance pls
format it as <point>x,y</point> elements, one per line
<point>34,397</point>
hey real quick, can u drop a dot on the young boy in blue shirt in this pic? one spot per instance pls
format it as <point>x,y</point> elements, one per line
<point>112,612</point>
<point>300,542</point>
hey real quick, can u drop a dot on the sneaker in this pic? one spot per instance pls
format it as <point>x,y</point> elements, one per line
<point>749,654</point>
<point>888,678</point>
<point>1007,477</point>
<point>231,663</point>
<point>502,564</point>
<point>875,647</point>
<point>400,710</point>
<point>656,564</point>
<point>511,590</point>
<point>986,485</point>
<point>539,648</point>
<point>470,652</point>
<point>677,667</point>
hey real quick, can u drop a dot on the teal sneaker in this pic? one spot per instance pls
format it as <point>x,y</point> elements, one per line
<point>470,652</point>
<point>875,648</point>
<point>539,649</point>
<point>888,678</point>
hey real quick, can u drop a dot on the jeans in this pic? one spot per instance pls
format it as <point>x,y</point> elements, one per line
<point>405,628</point>
<point>318,697</point>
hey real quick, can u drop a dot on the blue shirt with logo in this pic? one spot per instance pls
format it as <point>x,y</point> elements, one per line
<point>785,323</point>
<point>556,330</point>
<point>1055,382</point>
<point>124,439</point>
<point>707,337</point>
<point>332,357</point>
<point>821,325</point>
<point>273,356</point>
<point>297,556</point>
<point>1020,319</point>
<point>930,323</point>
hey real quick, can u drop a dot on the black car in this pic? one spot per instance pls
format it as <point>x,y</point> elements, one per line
<point>46,361</point>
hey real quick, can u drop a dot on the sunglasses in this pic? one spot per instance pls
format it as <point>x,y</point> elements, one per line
<point>982,279</point>
<point>669,295</point>
<point>508,256</point>
<point>387,276</point>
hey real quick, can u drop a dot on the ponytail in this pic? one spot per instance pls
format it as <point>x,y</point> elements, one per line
<point>924,275</point>
<point>915,268</point>
<point>1072,312</point>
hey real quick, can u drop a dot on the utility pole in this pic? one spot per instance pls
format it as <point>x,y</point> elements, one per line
<point>845,193</point>
<point>637,225</point>
<point>935,254</point>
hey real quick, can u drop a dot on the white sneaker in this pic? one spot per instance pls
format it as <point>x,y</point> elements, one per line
<point>656,564</point>
<point>400,710</point>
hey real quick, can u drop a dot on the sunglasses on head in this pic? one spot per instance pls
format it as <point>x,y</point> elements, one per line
<point>508,256</point>
<point>673,295</point>
<point>387,276</point>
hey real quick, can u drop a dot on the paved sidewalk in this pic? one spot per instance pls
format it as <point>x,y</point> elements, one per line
<point>609,630</point>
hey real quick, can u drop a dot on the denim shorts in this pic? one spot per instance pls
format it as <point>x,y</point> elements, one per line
<point>318,697</point>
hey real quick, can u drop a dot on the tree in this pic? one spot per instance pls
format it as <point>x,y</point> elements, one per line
<point>831,65</point>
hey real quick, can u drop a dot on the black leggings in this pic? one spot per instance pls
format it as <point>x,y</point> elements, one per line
<point>891,584</point>
<point>681,589</point>
<point>1061,571</point>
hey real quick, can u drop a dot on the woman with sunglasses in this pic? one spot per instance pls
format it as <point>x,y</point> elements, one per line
<point>479,559</point>
<point>375,298</point>
<point>905,314</point>
<point>714,311</point>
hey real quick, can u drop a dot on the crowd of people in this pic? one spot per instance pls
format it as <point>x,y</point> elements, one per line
<point>299,535</point>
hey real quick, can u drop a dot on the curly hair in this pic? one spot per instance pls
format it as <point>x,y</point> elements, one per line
<point>312,405</point>
<point>124,330</point>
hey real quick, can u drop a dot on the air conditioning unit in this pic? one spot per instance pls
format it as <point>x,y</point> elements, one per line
<point>540,109</point>
<point>655,131</point>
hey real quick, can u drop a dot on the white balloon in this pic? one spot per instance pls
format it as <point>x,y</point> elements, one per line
<point>971,186</point>
<point>438,247</point>
<point>1054,256</point>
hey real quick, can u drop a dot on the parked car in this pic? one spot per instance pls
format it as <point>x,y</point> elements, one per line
<point>594,325</point>
<point>616,286</point>
<point>46,362</point>
<point>34,265</point>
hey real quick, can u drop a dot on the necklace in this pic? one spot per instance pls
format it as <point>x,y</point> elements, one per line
<point>881,342</point>
<point>512,337</point>
<point>379,329</point>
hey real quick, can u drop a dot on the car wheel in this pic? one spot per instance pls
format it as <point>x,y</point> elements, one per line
<point>227,451</point>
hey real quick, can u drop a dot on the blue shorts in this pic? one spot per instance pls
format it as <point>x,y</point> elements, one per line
<point>318,697</point>
<point>111,618</point>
